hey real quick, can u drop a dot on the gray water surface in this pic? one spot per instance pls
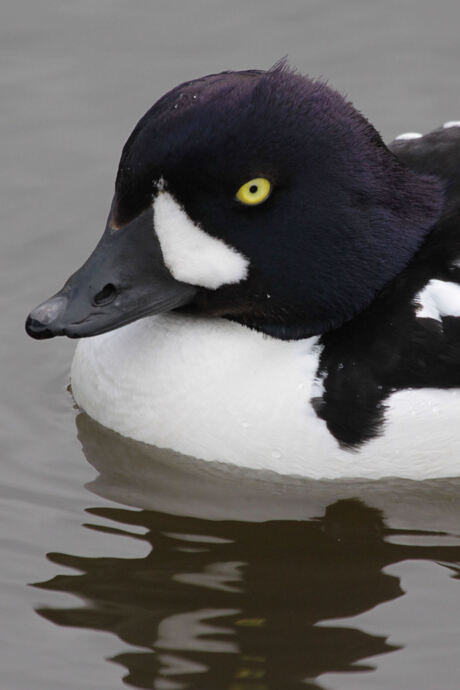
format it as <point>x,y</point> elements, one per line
<point>120,564</point>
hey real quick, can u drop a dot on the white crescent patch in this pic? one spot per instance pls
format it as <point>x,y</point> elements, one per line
<point>190,254</point>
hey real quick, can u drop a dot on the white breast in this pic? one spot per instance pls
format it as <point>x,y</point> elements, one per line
<point>216,390</point>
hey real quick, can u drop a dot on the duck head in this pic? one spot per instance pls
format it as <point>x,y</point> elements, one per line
<point>263,197</point>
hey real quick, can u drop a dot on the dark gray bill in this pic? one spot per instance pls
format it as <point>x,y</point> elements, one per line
<point>123,280</point>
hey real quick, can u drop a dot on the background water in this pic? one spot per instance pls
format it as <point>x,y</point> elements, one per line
<point>183,574</point>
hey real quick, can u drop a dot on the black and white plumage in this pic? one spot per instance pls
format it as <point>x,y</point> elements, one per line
<point>313,333</point>
<point>397,343</point>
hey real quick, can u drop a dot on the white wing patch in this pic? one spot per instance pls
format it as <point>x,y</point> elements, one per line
<point>408,135</point>
<point>190,254</point>
<point>437,299</point>
<point>451,123</point>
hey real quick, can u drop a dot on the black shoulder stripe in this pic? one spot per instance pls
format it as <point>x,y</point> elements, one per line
<point>389,347</point>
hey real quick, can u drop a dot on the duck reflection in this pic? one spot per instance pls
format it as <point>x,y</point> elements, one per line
<point>234,605</point>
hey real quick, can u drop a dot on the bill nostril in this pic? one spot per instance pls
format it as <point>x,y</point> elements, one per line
<point>106,295</point>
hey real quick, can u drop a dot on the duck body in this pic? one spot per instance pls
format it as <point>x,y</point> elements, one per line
<point>217,390</point>
<point>306,321</point>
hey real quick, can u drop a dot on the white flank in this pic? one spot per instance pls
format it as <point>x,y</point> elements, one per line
<point>190,254</point>
<point>408,135</point>
<point>437,299</point>
<point>451,123</point>
<point>215,390</point>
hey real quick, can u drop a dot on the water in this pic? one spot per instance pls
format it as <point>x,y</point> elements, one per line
<point>119,562</point>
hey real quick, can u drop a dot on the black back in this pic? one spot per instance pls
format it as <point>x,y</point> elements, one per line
<point>387,347</point>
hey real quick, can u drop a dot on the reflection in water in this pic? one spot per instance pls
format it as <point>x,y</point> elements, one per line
<point>239,612</point>
<point>234,605</point>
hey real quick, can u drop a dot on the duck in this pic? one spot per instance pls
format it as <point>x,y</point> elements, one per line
<point>275,288</point>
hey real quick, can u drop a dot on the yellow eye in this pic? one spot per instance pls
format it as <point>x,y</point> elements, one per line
<point>254,192</point>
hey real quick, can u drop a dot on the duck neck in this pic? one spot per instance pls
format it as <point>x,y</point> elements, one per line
<point>377,236</point>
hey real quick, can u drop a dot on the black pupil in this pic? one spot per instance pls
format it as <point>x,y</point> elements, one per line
<point>253,188</point>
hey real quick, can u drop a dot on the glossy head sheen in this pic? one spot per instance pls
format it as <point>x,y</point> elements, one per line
<point>263,197</point>
<point>343,216</point>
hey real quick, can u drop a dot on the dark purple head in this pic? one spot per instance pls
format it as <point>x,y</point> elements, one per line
<point>333,215</point>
